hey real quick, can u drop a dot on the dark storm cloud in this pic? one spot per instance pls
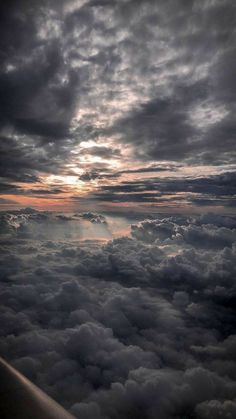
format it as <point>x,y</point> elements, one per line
<point>141,326</point>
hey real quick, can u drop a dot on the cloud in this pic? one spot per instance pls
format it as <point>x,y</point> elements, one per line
<point>150,84</point>
<point>22,159</point>
<point>35,100</point>
<point>159,130</point>
<point>217,409</point>
<point>167,96</point>
<point>4,201</point>
<point>106,174</point>
<point>38,91</point>
<point>101,151</point>
<point>189,111</point>
<point>80,226</point>
<point>141,325</point>
<point>87,176</point>
<point>223,184</point>
<point>208,190</point>
<point>201,235</point>
<point>94,218</point>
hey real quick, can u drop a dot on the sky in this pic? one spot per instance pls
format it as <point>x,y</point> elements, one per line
<point>118,105</point>
<point>117,206</point>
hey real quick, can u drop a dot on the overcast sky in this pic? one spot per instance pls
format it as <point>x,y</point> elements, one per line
<point>125,108</point>
<point>118,105</point>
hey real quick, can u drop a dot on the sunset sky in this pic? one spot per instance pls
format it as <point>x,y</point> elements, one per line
<point>118,105</point>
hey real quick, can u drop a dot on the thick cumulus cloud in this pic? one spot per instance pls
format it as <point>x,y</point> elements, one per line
<point>193,233</point>
<point>140,326</point>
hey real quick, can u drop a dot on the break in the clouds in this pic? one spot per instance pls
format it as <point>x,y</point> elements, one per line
<point>96,93</point>
<point>140,326</point>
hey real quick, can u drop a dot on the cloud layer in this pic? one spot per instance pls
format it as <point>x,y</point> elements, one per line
<point>142,326</point>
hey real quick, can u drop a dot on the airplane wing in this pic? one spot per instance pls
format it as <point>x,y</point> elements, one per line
<point>21,399</point>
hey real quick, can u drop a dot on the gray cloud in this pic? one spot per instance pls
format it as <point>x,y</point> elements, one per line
<point>189,114</point>
<point>104,173</point>
<point>105,328</point>
<point>59,59</point>
<point>211,190</point>
<point>38,91</point>
<point>101,151</point>
<point>35,100</point>
<point>139,326</point>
